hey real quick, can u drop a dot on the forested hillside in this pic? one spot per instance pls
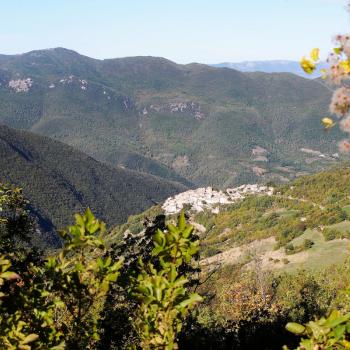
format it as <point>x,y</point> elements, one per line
<point>267,260</point>
<point>303,224</point>
<point>213,126</point>
<point>59,181</point>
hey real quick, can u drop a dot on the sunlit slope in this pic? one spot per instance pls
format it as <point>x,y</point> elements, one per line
<point>303,225</point>
<point>212,126</point>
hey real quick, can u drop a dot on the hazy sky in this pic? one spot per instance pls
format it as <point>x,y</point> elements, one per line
<point>207,31</point>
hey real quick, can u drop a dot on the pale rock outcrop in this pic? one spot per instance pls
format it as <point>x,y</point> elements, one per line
<point>258,171</point>
<point>188,107</point>
<point>259,151</point>
<point>21,85</point>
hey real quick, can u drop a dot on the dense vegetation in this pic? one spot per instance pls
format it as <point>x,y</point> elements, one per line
<point>153,115</point>
<point>96,293</point>
<point>143,285</point>
<point>61,301</point>
<point>309,214</point>
<point>249,300</point>
<point>58,180</point>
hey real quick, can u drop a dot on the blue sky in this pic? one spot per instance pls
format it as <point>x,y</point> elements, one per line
<point>183,30</point>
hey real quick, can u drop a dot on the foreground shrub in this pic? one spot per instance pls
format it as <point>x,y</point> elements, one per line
<point>80,276</point>
<point>331,332</point>
<point>60,302</point>
<point>160,288</point>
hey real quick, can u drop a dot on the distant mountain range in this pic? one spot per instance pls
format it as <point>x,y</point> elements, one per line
<point>186,123</point>
<point>273,66</point>
<point>60,181</point>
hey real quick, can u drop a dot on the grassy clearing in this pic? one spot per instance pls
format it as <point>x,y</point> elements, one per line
<point>288,213</point>
<point>342,227</point>
<point>322,253</point>
<point>346,209</point>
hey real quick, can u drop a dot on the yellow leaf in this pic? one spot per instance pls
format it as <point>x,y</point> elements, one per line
<point>345,65</point>
<point>24,347</point>
<point>314,54</point>
<point>307,65</point>
<point>30,338</point>
<point>328,123</point>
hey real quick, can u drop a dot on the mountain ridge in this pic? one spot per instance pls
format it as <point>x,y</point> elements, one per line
<point>59,181</point>
<point>271,66</point>
<point>191,122</point>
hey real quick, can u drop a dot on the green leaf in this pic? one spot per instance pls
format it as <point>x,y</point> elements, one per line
<point>187,231</point>
<point>335,319</point>
<point>89,216</point>
<point>182,221</point>
<point>339,331</point>
<point>172,229</point>
<point>317,329</point>
<point>79,220</point>
<point>193,298</point>
<point>307,344</point>
<point>159,238</point>
<point>100,263</point>
<point>173,273</point>
<point>295,328</point>
<point>8,275</point>
<point>60,346</point>
<point>108,261</point>
<point>157,250</point>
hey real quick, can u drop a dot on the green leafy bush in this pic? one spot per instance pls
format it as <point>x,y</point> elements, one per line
<point>332,233</point>
<point>26,311</point>
<point>292,249</point>
<point>331,332</point>
<point>80,277</point>
<point>60,302</point>
<point>160,289</point>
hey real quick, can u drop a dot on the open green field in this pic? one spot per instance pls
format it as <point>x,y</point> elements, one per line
<point>323,253</point>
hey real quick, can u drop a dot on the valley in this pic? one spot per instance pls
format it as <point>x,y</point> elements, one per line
<point>59,181</point>
<point>174,175</point>
<point>140,141</point>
